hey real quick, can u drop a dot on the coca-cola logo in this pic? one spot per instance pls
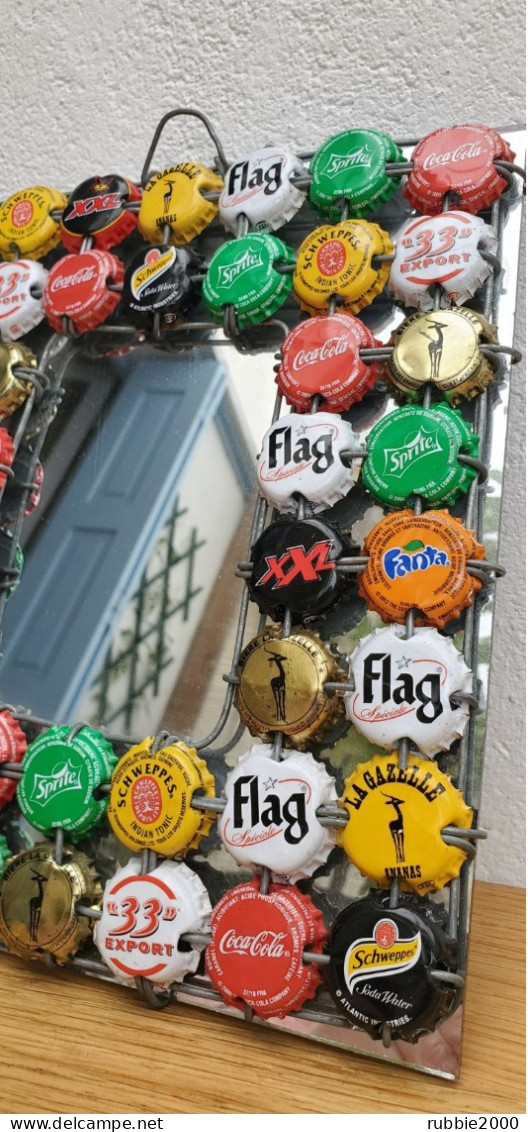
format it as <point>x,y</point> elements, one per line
<point>332,348</point>
<point>465,152</point>
<point>84,275</point>
<point>266,944</point>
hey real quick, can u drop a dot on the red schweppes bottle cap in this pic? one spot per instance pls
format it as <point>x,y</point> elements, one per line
<point>457,160</point>
<point>255,957</point>
<point>77,288</point>
<point>321,357</point>
<point>96,208</point>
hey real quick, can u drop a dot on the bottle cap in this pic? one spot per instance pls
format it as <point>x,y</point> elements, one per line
<point>321,357</point>
<point>34,495</point>
<point>351,167</point>
<point>5,854</point>
<point>38,900</point>
<point>143,918</point>
<point>395,823</point>
<point>15,487</point>
<point>337,260</point>
<point>420,562</point>
<point>255,957</point>
<point>21,287</point>
<point>381,960</point>
<point>242,272</point>
<point>260,187</point>
<point>25,222</point>
<point>414,451</point>
<point>403,689</point>
<point>302,454</point>
<point>151,795</point>
<point>458,160</point>
<point>13,744</point>
<point>281,687</point>
<point>14,390</point>
<point>96,208</point>
<point>60,777</point>
<point>294,568</point>
<point>8,568</point>
<point>77,288</point>
<point>157,279</point>
<point>173,198</point>
<point>443,250</point>
<point>7,454</point>
<point>442,348</point>
<point>270,818</point>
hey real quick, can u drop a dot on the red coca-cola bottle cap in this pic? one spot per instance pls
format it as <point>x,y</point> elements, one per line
<point>13,745</point>
<point>321,357</point>
<point>7,454</point>
<point>77,288</point>
<point>255,957</point>
<point>458,160</point>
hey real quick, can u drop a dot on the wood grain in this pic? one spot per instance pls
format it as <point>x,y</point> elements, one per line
<point>76,1045</point>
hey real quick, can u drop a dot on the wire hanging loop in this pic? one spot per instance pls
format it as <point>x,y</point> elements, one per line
<point>182,111</point>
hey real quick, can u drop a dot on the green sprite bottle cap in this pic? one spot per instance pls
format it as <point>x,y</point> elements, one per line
<point>60,777</point>
<point>351,166</point>
<point>242,273</point>
<point>415,451</point>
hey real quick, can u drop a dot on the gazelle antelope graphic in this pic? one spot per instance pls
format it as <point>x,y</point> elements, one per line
<point>278,684</point>
<point>35,905</point>
<point>168,194</point>
<point>436,346</point>
<point>396,826</point>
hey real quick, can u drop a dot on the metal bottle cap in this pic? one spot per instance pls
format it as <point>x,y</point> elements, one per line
<point>282,687</point>
<point>259,186</point>
<point>381,960</point>
<point>157,279</point>
<point>61,776</point>
<point>443,250</point>
<point>415,451</point>
<point>460,160</point>
<point>294,568</point>
<point>174,198</point>
<point>96,208</point>
<point>321,357</point>
<point>420,562</point>
<point>26,224</point>
<point>337,260</point>
<point>395,822</point>
<point>442,348</point>
<point>302,454</point>
<point>151,794</point>
<point>15,490</point>
<point>38,900</point>
<point>5,854</point>
<point>13,744</point>
<point>77,288</point>
<point>351,166</point>
<point>143,918</point>
<point>403,689</point>
<point>242,273</point>
<point>21,287</point>
<point>255,957</point>
<point>14,390</point>
<point>270,818</point>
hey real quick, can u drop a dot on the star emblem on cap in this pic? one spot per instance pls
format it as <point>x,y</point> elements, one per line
<point>271,783</point>
<point>403,662</point>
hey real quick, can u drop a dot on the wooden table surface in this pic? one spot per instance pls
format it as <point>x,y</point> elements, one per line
<point>76,1045</point>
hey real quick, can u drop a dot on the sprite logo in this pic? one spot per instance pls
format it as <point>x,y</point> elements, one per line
<point>339,163</point>
<point>397,460</point>
<point>227,273</point>
<point>398,562</point>
<point>64,777</point>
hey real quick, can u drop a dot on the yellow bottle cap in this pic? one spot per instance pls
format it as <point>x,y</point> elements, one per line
<point>337,260</point>
<point>442,347</point>
<point>174,199</point>
<point>395,823</point>
<point>14,390</point>
<point>151,795</point>
<point>25,222</point>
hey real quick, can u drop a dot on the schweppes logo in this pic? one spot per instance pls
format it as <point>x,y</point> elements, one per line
<point>156,264</point>
<point>381,954</point>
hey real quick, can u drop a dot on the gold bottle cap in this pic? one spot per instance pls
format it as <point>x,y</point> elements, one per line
<point>395,823</point>
<point>38,901</point>
<point>282,687</point>
<point>442,347</point>
<point>14,390</point>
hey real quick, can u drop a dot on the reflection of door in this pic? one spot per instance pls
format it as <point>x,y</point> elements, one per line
<point>87,558</point>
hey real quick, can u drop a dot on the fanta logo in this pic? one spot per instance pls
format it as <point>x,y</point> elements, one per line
<point>338,162</point>
<point>397,460</point>
<point>152,269</point>
<point>397,562</point>
<point>228,273</point>
<point>382,954</point>
<point>64,777</point>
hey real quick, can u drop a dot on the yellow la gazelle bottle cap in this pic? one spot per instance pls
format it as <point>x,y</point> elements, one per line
<point>151,794</point>
<point>174,198</point>
<point>26,223</point>
<point>395,823</point>
<point>336,259</point>
<point>442,347</point>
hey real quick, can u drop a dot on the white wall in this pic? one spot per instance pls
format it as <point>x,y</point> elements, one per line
<point>85,83</point>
